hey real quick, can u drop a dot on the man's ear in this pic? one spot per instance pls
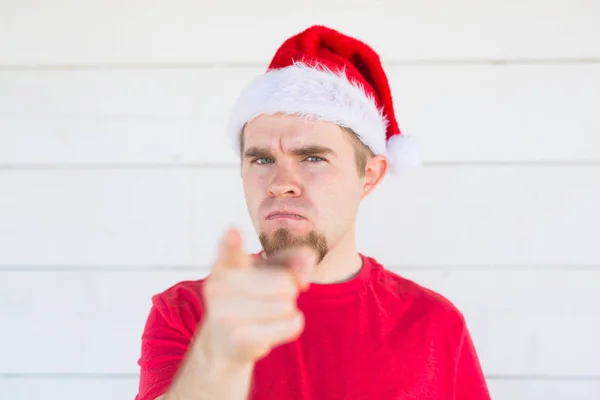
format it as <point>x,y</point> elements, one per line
<point>375,169</point>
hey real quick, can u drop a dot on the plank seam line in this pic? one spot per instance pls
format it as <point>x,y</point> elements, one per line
<point>206,268</point>
<point>230,165</point>
<point>127,376</point>
<point>261,64</point>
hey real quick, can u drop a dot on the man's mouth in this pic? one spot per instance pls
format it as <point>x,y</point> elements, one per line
<point>284,215</point>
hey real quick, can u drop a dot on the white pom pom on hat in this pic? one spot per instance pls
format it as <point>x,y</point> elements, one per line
<point>324,74</point>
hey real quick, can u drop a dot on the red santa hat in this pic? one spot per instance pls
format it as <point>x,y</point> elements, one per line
<point>323,74</point>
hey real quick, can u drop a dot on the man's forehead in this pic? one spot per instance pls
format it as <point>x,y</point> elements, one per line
<point>293,131</point>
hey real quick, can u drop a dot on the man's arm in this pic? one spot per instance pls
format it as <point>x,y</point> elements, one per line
<point>203,379</point>
<point>174,366</point>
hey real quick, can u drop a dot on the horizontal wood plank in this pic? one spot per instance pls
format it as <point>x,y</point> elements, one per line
<point>114,217</point>
<point>108,32</point>
<point>547,389</point>
<point>91,322</point>
<point>126,388</point>
<point>537,113</point>
<point>65,388</point>
<point>436,217</point>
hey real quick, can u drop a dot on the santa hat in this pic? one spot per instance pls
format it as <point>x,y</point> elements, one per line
<point>324,74</point>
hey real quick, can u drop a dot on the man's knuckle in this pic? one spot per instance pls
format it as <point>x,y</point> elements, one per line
<point>240,337</point>
<point>215,287</point>
<point>225,320</point>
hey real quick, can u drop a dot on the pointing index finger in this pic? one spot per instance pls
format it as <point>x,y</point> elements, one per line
<point>231,253</point>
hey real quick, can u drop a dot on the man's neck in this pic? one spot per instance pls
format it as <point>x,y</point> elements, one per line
<point>340,264</point>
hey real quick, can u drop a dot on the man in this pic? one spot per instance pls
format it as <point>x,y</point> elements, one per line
<point>309,317</point>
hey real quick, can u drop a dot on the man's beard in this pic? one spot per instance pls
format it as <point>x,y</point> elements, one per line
<point>283,239</point>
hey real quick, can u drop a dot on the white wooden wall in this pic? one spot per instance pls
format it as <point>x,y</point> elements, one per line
<point>116,178</point>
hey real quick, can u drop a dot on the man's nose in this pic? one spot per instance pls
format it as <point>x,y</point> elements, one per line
<point>284,183</point>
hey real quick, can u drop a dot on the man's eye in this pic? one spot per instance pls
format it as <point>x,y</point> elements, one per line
<point>262,160</point>
<point>314,158</point>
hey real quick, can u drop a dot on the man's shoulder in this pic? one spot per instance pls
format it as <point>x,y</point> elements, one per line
<point>184,296</point>
<point>419,299</point>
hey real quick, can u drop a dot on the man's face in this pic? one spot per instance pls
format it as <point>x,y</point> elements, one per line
<point>300,181</point>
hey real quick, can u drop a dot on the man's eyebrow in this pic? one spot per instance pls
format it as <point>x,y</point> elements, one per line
<point>260,152</point>
<point>257,152</point>
<point>312,149</point>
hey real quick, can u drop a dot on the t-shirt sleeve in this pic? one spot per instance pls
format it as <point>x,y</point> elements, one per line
<point>168,332</point>
<point>470,380</point>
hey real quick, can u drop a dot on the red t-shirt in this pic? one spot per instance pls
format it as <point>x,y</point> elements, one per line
<point>376,336</point>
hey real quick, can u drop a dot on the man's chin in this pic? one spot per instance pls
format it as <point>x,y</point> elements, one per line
<point>285,238</point>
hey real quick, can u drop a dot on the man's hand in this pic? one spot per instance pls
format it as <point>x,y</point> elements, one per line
<point>250,303</point>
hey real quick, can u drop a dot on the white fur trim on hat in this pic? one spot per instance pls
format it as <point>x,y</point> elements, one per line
<point>322,94</point>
